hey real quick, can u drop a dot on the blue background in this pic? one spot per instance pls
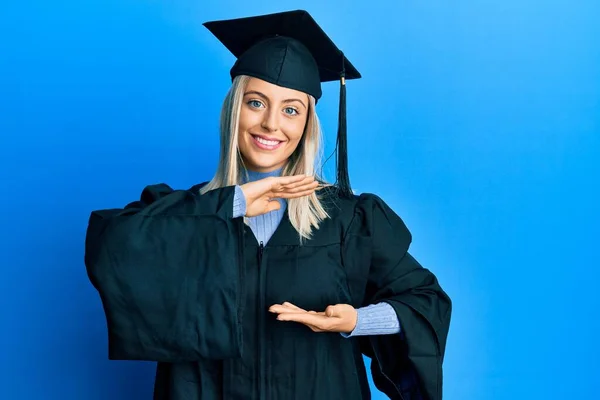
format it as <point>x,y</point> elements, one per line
<point>478,121</point>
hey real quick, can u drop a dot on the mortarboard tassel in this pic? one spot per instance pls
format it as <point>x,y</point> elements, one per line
<point>343,178</point>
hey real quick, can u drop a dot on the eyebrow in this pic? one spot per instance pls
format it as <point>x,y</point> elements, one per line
<point>256,92</point>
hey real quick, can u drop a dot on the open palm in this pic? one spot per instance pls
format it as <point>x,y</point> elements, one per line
<point>261,195</point>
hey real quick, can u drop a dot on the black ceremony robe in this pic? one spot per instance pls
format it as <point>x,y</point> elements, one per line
<point>185,284</point>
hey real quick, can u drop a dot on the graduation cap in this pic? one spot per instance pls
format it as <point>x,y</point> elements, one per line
<point>290,49</point>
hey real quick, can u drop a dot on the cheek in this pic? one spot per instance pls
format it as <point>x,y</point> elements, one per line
<point>295,130</point>
<point>245,120</point>
<point>245,124</point>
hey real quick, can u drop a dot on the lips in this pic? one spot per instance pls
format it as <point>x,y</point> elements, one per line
<point>266,143</point>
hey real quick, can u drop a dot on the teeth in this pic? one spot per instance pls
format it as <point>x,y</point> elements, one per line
<point>267,142</point>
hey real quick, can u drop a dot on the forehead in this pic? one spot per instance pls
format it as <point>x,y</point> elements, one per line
<point>274,91</point>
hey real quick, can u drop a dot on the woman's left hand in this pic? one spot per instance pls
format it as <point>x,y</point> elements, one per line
<point>336,318</point>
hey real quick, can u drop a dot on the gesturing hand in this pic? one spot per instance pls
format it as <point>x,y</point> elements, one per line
<point>261,195</point>
<point>336,318</point>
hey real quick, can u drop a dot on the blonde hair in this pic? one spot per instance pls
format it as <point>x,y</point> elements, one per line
<point>305,213</point>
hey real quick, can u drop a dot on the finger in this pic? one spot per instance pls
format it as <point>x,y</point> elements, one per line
<point>306,181</point>
<point>273,205</point>
<point>337,310</point>
<point>304,187</point>
<point>318,321</point>
<point>293,306</point>
<point>287,307</point>
<point>280,309</point>
<point>288,180</point>
<point>330,311</point>
<point>294,195</point>
<point>278,186</point>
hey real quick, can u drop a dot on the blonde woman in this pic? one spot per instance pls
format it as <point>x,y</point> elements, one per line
<point>267,282</point>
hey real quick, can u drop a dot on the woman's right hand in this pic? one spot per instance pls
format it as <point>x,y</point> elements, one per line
<point>261,195</point>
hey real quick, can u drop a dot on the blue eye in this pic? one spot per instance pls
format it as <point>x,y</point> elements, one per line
<point>255,103</point>
<point>290,111</point>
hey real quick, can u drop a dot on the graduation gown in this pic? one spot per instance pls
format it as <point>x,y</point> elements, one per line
<point>185,284</point>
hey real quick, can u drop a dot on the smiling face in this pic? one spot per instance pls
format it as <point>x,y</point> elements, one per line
<point>272,122</point>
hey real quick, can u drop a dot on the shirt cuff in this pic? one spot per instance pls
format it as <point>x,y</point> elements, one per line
<point>375,319</point>
<point>239,203</point>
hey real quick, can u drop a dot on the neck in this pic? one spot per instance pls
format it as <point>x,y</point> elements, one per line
<point>255,175</point>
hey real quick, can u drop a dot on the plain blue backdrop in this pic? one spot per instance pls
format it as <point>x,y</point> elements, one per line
<point>477,121</point>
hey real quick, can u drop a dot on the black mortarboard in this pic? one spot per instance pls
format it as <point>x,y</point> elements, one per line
<point>290,49</point>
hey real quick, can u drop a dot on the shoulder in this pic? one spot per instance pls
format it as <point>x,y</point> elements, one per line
<point>372,216</point>
<point>196,188</point>
<point>361,203</point>
<point>364,211</point>
<point>373,206</point>
<point>157,191</point>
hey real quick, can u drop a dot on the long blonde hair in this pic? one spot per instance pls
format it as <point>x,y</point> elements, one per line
<point>305,213</point>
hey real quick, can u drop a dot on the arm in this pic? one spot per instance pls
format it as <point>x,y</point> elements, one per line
<point>239,203</point>
<point>378,240</point>
<point>167,268</point>
<point>375,319</point>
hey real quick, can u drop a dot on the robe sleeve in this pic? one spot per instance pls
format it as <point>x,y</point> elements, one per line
<point>168,272</point>
<point>409,363</point>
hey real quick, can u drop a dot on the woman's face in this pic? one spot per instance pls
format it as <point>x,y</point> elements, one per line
<point>272,121</point>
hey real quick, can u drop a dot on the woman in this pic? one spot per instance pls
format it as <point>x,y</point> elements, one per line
<point>267,283</point>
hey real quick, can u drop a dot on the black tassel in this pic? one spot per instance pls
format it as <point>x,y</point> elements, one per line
<point>343,177</point>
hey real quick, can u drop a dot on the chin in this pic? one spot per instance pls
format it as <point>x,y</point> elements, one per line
<point>264,167</point>
<point>259,162</point>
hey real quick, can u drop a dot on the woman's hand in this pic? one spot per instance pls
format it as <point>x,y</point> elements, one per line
<point>337,318</point>
<point>261,195</point>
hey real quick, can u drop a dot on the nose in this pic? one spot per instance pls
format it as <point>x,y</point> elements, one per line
<point>270,122</point>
